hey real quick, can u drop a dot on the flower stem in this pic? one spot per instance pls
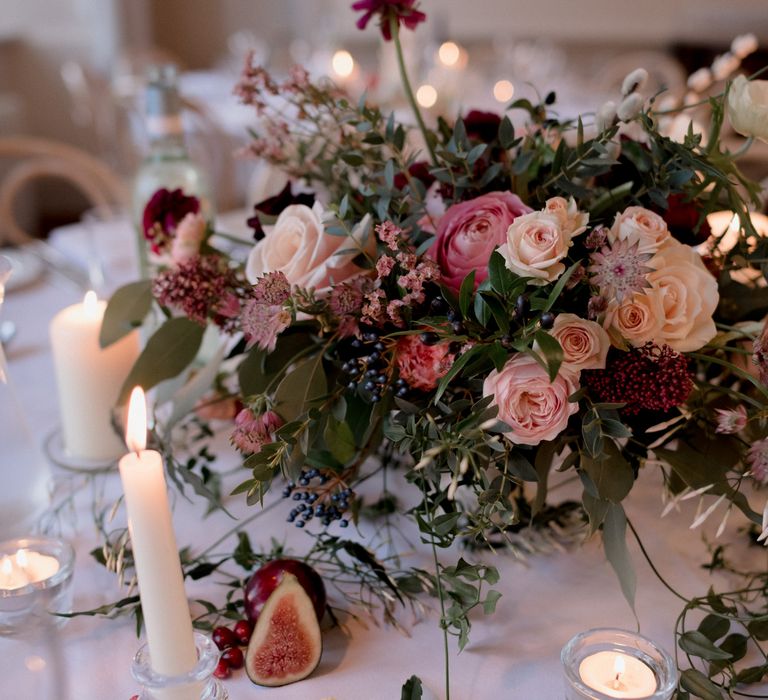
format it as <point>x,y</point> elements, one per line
<point>395,30</point>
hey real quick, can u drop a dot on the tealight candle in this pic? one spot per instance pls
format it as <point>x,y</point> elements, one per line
<point>89,379</point>
<point>611,663</point>
<point>26,567</point>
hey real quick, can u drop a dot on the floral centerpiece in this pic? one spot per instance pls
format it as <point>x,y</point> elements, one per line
<point>476,304</point>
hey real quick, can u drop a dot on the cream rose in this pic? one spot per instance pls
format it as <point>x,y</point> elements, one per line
<point>528,403</point>
<point>536,243</point>
<point>688,295</point>
<point>299,246</point>
<point>637,319</point>
<point>585,343</point>
<point>748,107</point>
<point>572,221</point>
<point>642,226</point>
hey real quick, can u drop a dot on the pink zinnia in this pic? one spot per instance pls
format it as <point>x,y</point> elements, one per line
<point>421,365</point>
<point>404,11</point>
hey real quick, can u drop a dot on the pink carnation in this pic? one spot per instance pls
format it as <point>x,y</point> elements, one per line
<point>421,365</point>
<point>470,231</point>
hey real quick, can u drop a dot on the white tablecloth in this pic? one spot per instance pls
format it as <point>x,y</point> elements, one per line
<point>512,654</point>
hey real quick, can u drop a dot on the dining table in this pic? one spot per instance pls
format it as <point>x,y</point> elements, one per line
<point>550,591</point>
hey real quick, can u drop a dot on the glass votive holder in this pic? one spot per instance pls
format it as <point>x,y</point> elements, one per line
<point>35,584</point>
<point>199,682</point>
<point>602,664</point>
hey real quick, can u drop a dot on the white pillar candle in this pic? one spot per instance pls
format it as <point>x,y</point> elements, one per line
<point>156,558</point>
<point>89,378</point>
<point>618,675</point>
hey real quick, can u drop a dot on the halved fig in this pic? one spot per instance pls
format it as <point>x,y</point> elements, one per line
<point>286,644</point>
<point>264,581</point>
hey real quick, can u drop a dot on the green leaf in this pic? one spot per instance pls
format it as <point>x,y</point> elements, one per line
<point>759,628</point>
<point>501,278</point>
<point>411,689</point>
<point>456,367</point>
<point>696,644</point>
<point>615,540</point>
<point>489,604</point>
<point>302,388</point>
<point>465,292</point>
<point>126,309</point>
<point>694,681</point>
<point>250,373</point>
<point>753,674</point>
<point>596,509</point>
<point>611,473</point>
<point>543,462</point>
<point>552,351</point>
<point>168,352</point>
<point>713,627</point>
<point>558,288</point>
<point>506,133</point>
<point>339,439</point>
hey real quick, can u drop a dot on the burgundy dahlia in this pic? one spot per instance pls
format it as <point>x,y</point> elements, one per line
<point>404,11</point>
<point>649,378</point>
<point>165,209</point>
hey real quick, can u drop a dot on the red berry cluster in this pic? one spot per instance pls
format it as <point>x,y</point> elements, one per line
<point>230,641</point>
<point>649,378</point>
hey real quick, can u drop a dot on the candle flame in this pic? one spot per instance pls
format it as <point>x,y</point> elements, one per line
<point>136,431</point>
<point>21,558</point>
<point>6,567</point>
<point>91,304</point>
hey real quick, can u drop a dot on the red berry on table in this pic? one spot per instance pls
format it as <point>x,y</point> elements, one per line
<point>134,697</point>
<point>222,669</point>
<point>233,656</point>
<point>243,630</point>
<point>223,637</point>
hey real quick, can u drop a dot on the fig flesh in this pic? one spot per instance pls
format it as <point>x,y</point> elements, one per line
<point>266,579</point>
<point>286,644</point>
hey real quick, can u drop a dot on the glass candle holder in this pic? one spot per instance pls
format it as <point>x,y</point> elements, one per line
<point>35,584</point>
<point>199,682</point>
<point>603,664</point>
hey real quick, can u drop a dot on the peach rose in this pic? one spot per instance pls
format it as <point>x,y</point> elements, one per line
<point>188,237</point>
<point>298,246</point>
<point>688,294</point>
<point>640,225</point>
<point>585,343</point>
<point>536,243</point>
<point>637,319</point>
<point>529,404</point>
<point>572,221</point>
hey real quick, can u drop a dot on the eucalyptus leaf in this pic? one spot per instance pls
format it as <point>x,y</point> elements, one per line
<point>167,353</point>
<point>126,309</point>
<point>615,540</point>
<point>301,388</point>
<point>695,643</point>
<point>694,681</point>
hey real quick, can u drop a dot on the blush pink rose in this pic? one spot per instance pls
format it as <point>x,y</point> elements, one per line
<point>533,407</point>
<point>470,231</point>
<point>585,343</point>
<point>640,226</point>
<point>421,365</point>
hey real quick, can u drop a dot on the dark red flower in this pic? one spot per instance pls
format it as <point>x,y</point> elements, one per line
<point>165,209</point>
<point>682,216</point>
<point>650,378</point>
<point>482,126</point>
<point>419,171</point>
<point>401,10</point>
<point>273,206</point>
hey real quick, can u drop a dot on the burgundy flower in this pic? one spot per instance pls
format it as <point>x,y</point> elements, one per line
<point>165,209</point>
<point>401,10</point>
<point>418,171</point>
<point>649,378</point>
<point>682,216</point>
<point>273,206</point>
<point>482,126</point>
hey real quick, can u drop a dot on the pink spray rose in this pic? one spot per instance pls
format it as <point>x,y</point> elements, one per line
<point>469,232</point>
<point>532,406</point>
<point>421,365</point>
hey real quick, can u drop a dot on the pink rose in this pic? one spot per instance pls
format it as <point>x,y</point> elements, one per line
<point>421,365</point>
<point>299,246</point>
<point>637,319</point>
<point>189,236</point>
<point>641,226</point>
<point>469,232</point>
<point>585,343</point>
<point>533,407</point>
<point>572,221</point>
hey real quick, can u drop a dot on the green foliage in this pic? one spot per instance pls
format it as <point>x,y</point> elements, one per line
<point>126,310</point>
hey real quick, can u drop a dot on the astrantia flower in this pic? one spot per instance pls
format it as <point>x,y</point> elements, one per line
<point>346,303</point>
<point>162,215</point>
<point>272,289</point>
<point>201,287</point>
<point>404,11</point>
<point>757,459</point>
<point>252,432</point>
<point>619,269</point>
<point>731,420</point>
<point>649,378</point>
<point>421,365</point>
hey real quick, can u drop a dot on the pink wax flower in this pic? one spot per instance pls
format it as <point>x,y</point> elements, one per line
<point>404,11</point>
<point>470,231</point>
<point>252,432</point>
<point>421,365</point>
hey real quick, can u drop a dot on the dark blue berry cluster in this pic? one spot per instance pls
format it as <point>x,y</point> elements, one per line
<point>367,368</point>
<point>315,500</point>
